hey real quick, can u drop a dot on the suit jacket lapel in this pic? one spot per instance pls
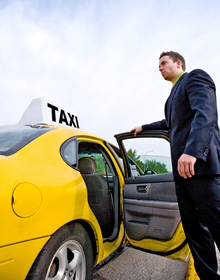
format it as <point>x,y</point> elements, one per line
<point>168,106</point>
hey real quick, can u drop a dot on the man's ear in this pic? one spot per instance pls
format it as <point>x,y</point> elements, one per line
<point>179,64</point>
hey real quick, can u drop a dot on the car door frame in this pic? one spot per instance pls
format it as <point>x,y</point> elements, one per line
<point>177,246</point>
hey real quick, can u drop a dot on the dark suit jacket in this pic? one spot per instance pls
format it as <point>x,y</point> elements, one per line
<point>191,118</point>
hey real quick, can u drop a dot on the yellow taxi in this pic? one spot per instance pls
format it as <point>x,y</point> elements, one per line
<point>71,200</point>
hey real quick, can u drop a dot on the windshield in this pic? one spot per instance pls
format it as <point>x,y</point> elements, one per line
<point>15,137</point>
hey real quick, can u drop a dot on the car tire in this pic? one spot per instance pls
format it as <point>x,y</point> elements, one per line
<point>67,255</point>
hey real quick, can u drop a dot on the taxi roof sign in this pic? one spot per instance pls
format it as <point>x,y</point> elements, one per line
<point>42,112</point>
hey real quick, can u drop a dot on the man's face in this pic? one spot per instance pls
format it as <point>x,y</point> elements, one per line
<point>169,69</point>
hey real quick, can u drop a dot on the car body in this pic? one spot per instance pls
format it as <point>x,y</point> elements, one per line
<point>69,200</point>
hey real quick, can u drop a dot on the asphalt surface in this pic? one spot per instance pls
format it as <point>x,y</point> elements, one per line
<point>136,265</point>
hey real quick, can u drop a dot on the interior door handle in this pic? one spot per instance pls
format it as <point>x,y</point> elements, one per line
<point>142,189</point>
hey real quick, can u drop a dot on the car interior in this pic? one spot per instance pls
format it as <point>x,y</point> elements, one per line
<point>102,184</point>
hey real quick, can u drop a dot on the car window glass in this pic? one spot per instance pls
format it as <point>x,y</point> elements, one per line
<point>151,155</point>
<point>136,171</point>
<point>117,154</point>
<point>69,152</point>
<point>135,167</point>
<point>15,137</point>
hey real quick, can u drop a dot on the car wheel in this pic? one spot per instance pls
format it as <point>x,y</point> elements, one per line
<point>67,255</point>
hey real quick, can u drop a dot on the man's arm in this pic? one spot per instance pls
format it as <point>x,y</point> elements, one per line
<point>152,126</point>
<point>201,94</point>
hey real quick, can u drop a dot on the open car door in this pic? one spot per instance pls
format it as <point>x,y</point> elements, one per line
<point>151,213</point>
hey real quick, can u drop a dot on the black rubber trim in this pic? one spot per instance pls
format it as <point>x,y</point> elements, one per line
<point>145,133</point>
<point>113,256</point>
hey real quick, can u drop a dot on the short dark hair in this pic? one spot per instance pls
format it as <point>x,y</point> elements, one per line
<point>175,56</point>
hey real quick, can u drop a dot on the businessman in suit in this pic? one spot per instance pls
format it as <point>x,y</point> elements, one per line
<point>191,119</point>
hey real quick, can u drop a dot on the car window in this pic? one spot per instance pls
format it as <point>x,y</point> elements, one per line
<point>69,152</point>
<point>135,170</point>
<point>151,155</point>
<point>134,167</point>
<point>117,153</point>
<point>89,149</point>
<point>15,137</point>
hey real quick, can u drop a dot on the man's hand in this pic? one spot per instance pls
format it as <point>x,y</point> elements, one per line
<point>186,166</point>
<point>137,130</point>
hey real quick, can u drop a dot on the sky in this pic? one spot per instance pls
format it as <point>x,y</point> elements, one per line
<point>99,58</point>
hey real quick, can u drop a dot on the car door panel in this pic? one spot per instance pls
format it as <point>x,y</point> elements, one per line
<point>151,209</point>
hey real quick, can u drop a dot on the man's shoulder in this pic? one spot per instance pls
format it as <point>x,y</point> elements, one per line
<point>198,76</point>
<point>198,71</point>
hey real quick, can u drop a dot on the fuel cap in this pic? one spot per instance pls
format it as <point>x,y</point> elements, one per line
<point>26,200</point>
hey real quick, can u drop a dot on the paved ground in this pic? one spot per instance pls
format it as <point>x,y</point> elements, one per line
<point>136,265</point>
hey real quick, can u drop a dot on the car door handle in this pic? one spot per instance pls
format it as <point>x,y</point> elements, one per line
<point>142,189</point>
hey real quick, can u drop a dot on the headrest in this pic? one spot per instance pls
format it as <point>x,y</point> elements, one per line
<point>87,165</point>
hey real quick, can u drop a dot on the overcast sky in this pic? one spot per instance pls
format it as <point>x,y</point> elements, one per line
<point>99,58</point>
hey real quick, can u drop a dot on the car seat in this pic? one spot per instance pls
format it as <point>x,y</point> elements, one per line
<point>98,193</point>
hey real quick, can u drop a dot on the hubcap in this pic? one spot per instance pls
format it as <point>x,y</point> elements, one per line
<point>68,263</point>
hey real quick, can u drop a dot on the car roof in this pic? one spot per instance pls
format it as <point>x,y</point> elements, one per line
<point>77,132</point>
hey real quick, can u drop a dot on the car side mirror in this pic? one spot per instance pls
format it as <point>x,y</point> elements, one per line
<point>149,172</point>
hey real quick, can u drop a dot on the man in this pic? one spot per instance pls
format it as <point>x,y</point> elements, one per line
<point>191,118</point>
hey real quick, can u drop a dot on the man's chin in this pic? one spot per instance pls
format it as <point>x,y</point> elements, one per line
<point>167,78</point>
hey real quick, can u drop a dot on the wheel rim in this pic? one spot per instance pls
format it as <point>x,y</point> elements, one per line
<point>68,263</point>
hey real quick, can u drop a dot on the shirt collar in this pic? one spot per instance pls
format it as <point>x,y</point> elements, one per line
<point>177,78</point>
